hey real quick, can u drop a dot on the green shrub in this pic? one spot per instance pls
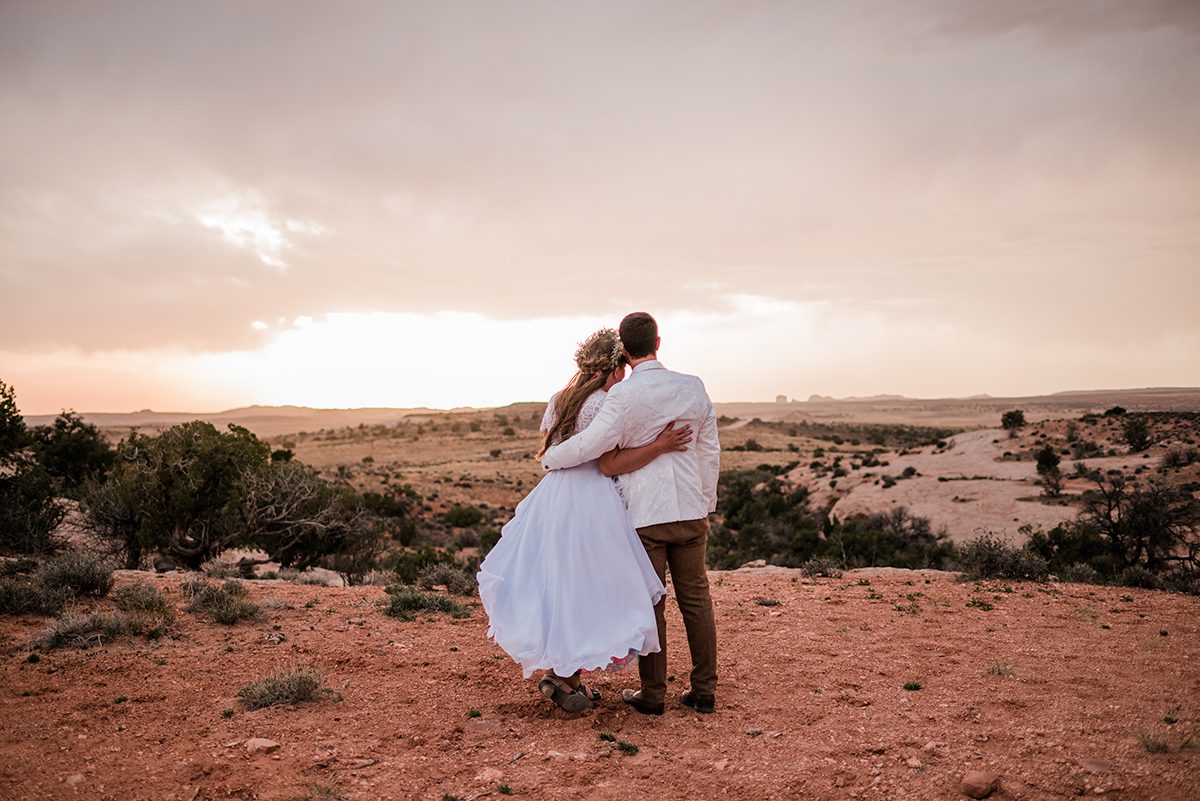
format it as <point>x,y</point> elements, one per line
<point>454,579</point>
<point>1186,581</point>
<point>1138,576</point>
<point>1152,744</point>
<point>29,508</point>
<point>83,631</point>
<point>81,574</point>
<point>288,687</point>
<point>1081,573</point>
<point>1180,457</point>
<point>1152,525</point>
<point>1085,449</point>
<point>72,451</point>
<point>821,566</point>
<point>222,603</point>
<point>988,556</point>
<point>184,488</point>
<point>1069,547</point>
<point>463,516</point>
<point>403,601</point>
<point>288,510</point>
<point>894,538</point>
<point>1136,433</point>
<point>1048,468</point>
<point>487,540</point>
<point>1012,420</point>
<point>142,597</point>
<point>28,597</point>
<point>407,564</point>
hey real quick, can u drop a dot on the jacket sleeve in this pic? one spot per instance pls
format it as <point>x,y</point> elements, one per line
<point>708,451</point>
<point>594,441</point>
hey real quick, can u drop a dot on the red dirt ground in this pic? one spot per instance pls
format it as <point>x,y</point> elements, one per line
<point>811,704</point>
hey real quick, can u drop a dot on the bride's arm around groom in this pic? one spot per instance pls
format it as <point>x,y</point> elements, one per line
<point>600,437</point>
<point>634,412</point>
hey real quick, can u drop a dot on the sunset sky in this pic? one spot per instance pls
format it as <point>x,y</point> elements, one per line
<point>211,204</point>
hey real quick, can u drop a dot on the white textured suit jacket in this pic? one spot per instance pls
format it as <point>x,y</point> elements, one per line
<point>676,486</point>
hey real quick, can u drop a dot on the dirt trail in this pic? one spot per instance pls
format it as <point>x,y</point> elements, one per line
<point>812,702</point>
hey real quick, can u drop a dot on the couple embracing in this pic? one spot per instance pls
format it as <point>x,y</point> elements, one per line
<point>576,581</point>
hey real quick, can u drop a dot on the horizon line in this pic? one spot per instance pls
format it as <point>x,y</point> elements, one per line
<point>882,396</point>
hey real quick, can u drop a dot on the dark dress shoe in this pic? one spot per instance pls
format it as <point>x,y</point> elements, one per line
<point>700,702</point>
<point>636,701</point>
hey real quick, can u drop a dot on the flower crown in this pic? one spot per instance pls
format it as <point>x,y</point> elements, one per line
<point>600,353</point>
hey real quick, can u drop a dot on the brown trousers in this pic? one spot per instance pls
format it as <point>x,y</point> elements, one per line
<point>681,547</point>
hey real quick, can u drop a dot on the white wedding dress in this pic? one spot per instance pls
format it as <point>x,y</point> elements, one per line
<point>569,586</point>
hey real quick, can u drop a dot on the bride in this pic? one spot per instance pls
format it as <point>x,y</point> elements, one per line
<point>569,587</point>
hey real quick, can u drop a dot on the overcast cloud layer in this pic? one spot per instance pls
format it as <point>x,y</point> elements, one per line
<point>1005,195</point>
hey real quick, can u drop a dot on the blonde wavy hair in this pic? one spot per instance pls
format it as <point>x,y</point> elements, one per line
<point>596,359</point>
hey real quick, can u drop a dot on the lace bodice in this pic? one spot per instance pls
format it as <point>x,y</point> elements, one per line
<point>587,413</point>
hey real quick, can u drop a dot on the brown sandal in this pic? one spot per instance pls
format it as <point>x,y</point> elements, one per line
<point>567,699</point>
<point>592,695</point>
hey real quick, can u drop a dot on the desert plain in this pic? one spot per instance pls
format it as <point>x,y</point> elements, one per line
<point>876,684</point>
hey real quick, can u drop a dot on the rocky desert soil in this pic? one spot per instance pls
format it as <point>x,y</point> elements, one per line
<point>1062,690</point>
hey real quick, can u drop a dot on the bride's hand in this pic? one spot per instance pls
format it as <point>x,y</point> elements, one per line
<point>673,439</point>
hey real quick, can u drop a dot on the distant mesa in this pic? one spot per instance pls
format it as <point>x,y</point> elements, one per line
<point>781,398</point>
<point>855,398</point>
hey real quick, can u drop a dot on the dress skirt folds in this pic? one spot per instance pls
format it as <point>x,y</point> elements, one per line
<point>569,586</point>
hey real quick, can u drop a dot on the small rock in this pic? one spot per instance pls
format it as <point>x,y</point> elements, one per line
<point>1096,765</point>
<point>721,764</point>
<point>756,563</point>
<point>261,745</point>
<point>753,732</point>
<point>74,779</point>
<point>979,783</point>
<point>489,776</point>
<point>913,762</point>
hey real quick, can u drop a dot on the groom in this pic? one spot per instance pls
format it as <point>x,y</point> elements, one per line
<point>669,500</point>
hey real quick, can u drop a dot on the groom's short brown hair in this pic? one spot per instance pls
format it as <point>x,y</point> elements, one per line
<point>639,335</point>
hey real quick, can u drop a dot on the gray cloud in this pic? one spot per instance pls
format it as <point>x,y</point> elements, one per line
<point>1006,166</point>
